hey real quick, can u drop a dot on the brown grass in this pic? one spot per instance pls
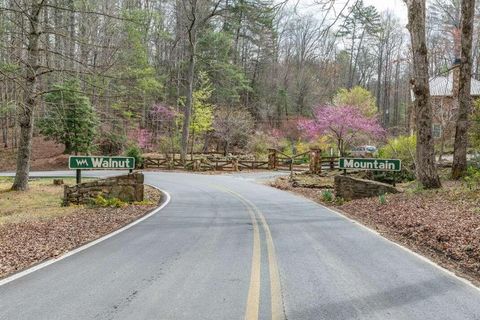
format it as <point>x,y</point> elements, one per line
<point>42,201</point>
<point>35,227</point>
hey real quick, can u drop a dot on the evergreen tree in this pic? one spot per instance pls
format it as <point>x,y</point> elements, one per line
<point>70,118</point>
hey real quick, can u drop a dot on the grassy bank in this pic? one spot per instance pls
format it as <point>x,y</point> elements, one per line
<point>42,201</point>
<point>34,226</point>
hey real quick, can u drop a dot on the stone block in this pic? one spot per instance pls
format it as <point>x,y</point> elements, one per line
<point>139,192</point>
<point>127,188</point>
<point>139,178</point>
<point>350,188</point>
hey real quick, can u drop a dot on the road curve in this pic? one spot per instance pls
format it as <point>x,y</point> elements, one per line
<point>226,247</point>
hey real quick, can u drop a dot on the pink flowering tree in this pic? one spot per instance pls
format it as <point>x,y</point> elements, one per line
<point>343,124</point>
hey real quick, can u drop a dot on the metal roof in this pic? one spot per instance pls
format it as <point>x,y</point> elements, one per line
<point>443,86</point>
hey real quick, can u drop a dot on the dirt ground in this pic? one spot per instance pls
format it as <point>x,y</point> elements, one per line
<point>443,225</point>
<point>46,155</point>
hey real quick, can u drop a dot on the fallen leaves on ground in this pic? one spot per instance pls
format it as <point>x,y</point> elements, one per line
<point>26,243</point>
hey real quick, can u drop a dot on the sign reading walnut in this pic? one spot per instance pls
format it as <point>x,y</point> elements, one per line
<point>101,162</point>
<point>80,163</point>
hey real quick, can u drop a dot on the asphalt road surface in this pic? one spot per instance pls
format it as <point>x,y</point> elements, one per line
<point>227,247</point>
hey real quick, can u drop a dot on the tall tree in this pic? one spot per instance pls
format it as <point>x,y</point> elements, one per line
<point>465,100</point>
<point>27,109</point>
<point>196,14</point>
<point>425,154</point>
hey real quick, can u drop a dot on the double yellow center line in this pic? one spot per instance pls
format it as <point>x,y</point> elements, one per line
<point>253,299</point>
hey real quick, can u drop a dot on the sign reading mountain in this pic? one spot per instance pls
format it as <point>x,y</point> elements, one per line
<point>370,164</point>
<point>90,162</point>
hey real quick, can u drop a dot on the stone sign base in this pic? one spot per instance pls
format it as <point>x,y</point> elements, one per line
<point>350,188</point>
<point>128,188</point>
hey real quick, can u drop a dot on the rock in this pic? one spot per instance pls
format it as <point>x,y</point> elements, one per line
<point>350,188</point>
<point>128,188</point>
<point>58,182</point>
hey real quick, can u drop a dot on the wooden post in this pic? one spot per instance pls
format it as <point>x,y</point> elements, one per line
<point>196,165</point>
<point>235,164</point>
<point>291,168</point>
<point>272,159</point>
<point>315,164</point>
<point>79,176</point>
<point>319,161</point>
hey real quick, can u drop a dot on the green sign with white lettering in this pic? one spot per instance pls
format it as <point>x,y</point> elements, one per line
<point>370,164</point>
<point>92,162</point>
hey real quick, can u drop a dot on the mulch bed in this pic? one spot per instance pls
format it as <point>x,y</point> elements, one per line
<point>27,243</point>
<point>443,225</point>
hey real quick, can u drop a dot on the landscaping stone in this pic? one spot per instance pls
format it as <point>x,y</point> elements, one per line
<point>350,188</point>
<point>128,188</point>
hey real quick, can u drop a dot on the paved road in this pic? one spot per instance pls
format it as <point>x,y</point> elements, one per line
<point>226,247</point>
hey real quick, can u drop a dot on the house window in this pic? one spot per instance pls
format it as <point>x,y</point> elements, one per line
<point>437,131</point>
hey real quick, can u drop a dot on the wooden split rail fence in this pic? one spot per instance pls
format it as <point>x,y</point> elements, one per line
<point>311,160</point>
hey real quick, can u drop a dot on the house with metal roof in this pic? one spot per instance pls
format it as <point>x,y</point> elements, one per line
<point>442,86</point>
<point>444,100</point>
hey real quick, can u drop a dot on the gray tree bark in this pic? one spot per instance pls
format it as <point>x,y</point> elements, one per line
<point>464,99</point>
<point>192,44</point>
<point>26,111</point>
<point>425,154</point>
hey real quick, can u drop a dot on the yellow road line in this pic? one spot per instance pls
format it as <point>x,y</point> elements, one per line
<point>253,300</point>
<point>275,284</point>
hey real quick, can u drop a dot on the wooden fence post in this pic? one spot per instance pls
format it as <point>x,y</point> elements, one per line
<point>315,163</point>
<point>235,164</point>
<point>272,159</point>
<point>196,165</point>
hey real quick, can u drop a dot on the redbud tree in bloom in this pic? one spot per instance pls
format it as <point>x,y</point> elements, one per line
<point>344,124</point>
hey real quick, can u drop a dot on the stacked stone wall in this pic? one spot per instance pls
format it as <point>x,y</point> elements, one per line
<point>350,188</point>
<point>128,188</point>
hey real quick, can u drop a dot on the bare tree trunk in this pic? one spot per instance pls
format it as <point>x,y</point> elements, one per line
<point>465,100</point>
<point>189,102</point>
<point>425,153</point>
<point>26,111</point>
<point>442,147</point>
<point>379,79</point>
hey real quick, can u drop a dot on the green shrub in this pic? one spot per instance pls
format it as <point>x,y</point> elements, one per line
<point>382,198</point>
<point>339,201</point>
<point>327,196</point>
<point>135,152</point>
<point>472,178</point>
<point>101,201</point>
<point>70,118</point>
<point>403,148</point>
